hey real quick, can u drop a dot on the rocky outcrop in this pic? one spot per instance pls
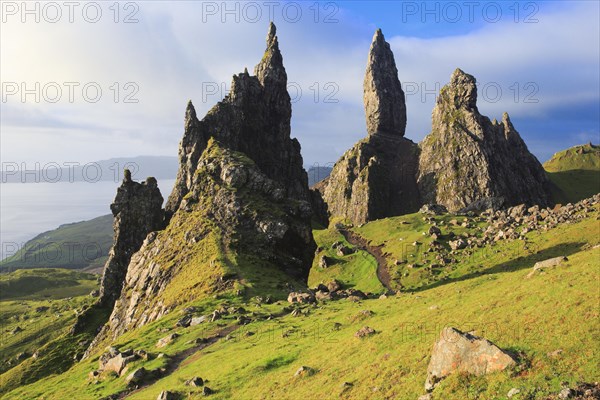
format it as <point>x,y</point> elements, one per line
<point>254,118</point>
<point>240,205</point>
<point>137,211</point>
<point>377,177</point>
<point>234,221</point>
<point>468,160</point>
<point>457,352</point>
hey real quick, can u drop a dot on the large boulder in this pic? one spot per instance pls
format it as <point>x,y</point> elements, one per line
<point>456,351</point>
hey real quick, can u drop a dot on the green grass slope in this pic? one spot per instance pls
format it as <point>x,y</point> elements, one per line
<point>488,294</point>
<point>36,307</point>
<point>80,245</point>
<point>575,173</point>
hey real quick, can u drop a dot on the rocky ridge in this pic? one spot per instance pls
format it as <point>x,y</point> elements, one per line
<point>240,201</point>
<point>469,162</point>
<point>254,118</point>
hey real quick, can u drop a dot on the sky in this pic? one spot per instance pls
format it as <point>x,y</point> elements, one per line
<point>86,81</point>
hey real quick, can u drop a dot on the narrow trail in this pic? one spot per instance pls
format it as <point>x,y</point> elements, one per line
<point>383,274</point>
<point>177,360</point>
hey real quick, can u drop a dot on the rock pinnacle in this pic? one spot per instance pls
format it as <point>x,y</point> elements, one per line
<point>383,97</point>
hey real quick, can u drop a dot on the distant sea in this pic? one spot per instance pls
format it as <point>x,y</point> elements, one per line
<point>28,209</point>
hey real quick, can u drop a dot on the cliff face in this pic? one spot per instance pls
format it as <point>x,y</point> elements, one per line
<point>468,161</point>
<point>376,178</point>
<point>239,209</point>
<point>137,211</point>
<point>233,221</point>
<point>254,118</point>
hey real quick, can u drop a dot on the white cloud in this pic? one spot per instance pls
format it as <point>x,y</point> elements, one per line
<point>171,52</point>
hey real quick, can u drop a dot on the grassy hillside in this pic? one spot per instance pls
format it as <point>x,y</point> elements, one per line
<point>575,172</point>
<point>487,293</point>
<point>37,306</point>
<point>80,245</point>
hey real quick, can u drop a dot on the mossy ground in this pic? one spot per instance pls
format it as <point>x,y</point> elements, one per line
<point>488,294</point>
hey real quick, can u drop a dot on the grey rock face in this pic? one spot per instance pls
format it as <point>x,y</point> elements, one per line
<point>377,177</point>
<point>254,118</point>
<point>253,217</point>
<point>456,351</point>
<point>468,161</point>
<point>137,209</point>
<point>385,108</point>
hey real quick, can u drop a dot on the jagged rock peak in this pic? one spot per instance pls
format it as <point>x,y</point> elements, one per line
<point>462,90</point>
<point>383,97</point>
<point>270,68</point>
<point>137,209</point>
<point>254,118</point>
<point>190,115</point>
<point>468,162</point>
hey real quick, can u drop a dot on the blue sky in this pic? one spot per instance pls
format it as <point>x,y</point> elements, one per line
<point>539,61</point>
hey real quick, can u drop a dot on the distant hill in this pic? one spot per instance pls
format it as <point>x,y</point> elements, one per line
<point>575,172</point>
<point>81,245</point>
<point>317,174</point>
<point>141,167</point>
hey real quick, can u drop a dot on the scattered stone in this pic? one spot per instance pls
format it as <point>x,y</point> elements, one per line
<point>555,353</point>
<point>18,329</point>
<point>513,392</point>
<point>116,363</point>
<point>136,377</point>
<point>166,340</point>
<point>541,265</point>
<point>300,297</point>
<point>206,391</point>
<point>456,351</point>
<point>184,322</point>
<point>433,209</point>
<point>566,393</point>
<point>457,244</point>
<point>364,332</point>
<point>195,381</point>
<point>324,262</point>
<point>166,395</point>
<point>304,371</point>
<point>198,320</point>
<point>323,296</point>
<point>344,251</point>
<point>215,316</point>
<point>434,230</point>
<point>334,286</point>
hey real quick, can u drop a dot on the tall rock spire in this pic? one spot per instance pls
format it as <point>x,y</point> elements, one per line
<point>270,70</point>
<point>385,108</point>
<point>376,178</point>
<point>138,211</point>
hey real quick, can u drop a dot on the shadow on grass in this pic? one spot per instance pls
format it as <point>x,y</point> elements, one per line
<point>519,263</point>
